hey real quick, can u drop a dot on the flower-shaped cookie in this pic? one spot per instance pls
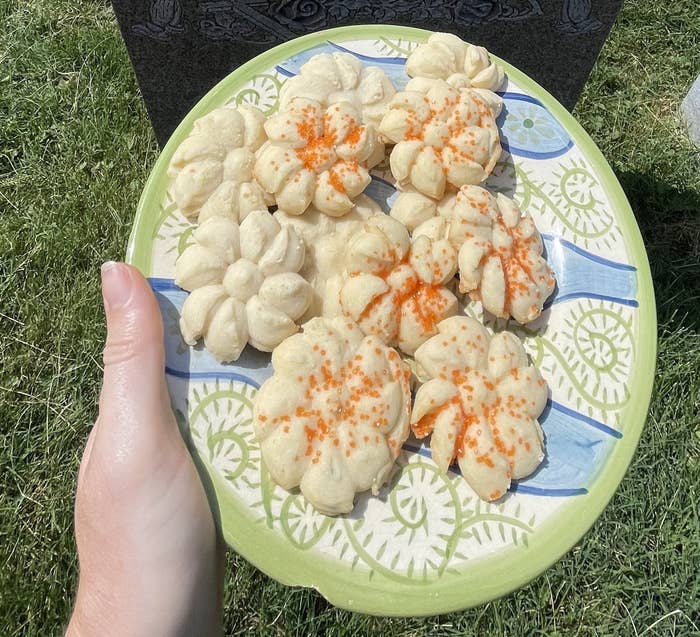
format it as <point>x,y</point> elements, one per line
<point>333,416</point>
<point>326,239</point>
<point>316,155</point>
<point>212,170</point>
<point>446,57</point>
<point>444,139</point>
<point>341,77</point>
<point>481,405</point>
<point>395,289</point>
<point>500,254</point>
<point>243,284</point>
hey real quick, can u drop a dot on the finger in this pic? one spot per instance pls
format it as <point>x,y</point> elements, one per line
<point>133,389</point>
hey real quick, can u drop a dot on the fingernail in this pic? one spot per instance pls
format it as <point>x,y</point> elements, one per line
<point>116,284</point>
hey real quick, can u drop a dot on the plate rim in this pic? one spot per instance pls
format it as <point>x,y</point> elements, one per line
<point>483,579</point>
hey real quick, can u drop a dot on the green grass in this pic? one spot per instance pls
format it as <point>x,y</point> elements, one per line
<point>75,150</point>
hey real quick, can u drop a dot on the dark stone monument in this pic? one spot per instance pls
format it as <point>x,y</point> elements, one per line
<point>181,48</point>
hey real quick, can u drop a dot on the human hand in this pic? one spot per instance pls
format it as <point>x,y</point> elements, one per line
<point>147,544</point>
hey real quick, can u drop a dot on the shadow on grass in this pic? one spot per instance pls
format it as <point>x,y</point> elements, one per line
<point>669,220</point>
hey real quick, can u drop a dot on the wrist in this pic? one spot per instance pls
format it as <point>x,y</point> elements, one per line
<point>100,614</point>
<point>88,616</point>
<point>146,613</point>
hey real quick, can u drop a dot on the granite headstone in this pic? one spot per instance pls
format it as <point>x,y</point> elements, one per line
<point>181,48</point>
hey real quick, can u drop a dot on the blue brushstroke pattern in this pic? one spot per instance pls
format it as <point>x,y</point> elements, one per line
<point>283,71</point>
<point>211,376</point>
<point>581,274</point>
<point>528,129</point>
<point>515,487</point>
<point>587,420</point>
<point>577,447</point>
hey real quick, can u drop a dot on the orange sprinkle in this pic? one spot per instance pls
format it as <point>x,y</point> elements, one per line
<point>335,181</point>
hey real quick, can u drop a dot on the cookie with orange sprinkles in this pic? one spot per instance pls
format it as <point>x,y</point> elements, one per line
<point>395,289</point>
<point>444,138</point>
<point>334,415</point>
<point>316,155</point>
<point>480,405</point>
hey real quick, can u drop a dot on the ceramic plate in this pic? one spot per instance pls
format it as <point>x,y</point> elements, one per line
<point>428,544</point>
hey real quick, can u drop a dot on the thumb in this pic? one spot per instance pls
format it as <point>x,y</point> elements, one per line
<point>134,393</point>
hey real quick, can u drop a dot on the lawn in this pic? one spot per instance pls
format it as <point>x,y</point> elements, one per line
<point>75,151</point>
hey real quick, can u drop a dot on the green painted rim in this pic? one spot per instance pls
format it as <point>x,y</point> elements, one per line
<point>485,578</point>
